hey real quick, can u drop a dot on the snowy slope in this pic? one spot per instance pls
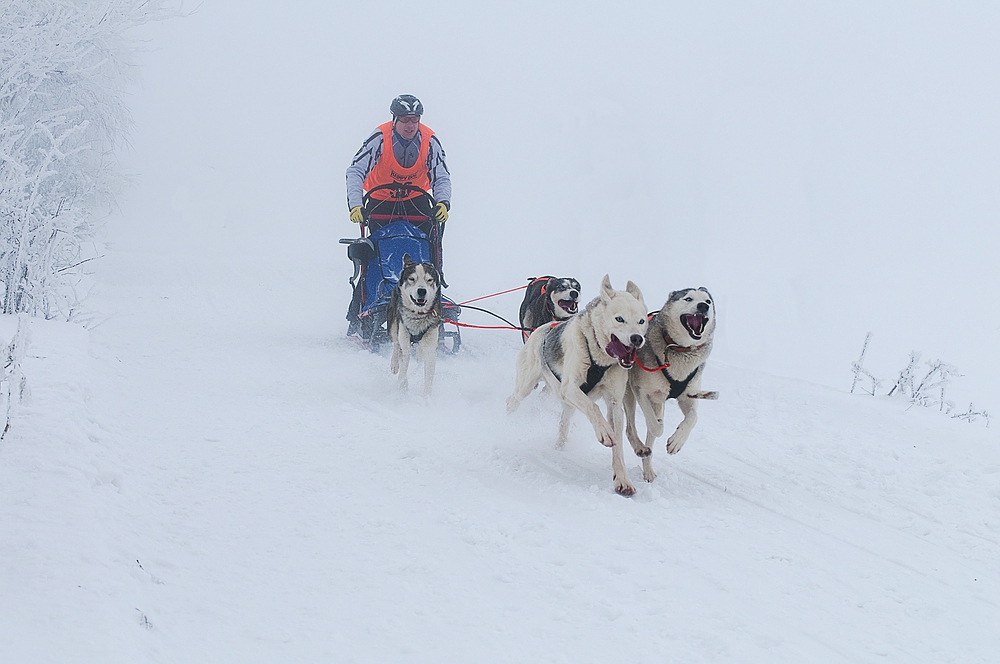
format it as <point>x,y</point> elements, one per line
<point>198,479</point>
<point>209,473</point>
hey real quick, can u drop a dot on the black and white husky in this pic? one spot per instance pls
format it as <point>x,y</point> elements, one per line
<point>548,299</point>
<point>586,358</point>
<point>414,318</point>
<point>671,363</point>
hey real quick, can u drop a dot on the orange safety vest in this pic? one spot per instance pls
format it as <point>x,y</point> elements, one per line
<point>388,170</point>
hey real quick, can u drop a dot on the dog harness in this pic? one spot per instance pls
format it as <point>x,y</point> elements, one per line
<point>415,338</point>
<point>678,387</point>
<point>389,171</point>
<point>594,374</point>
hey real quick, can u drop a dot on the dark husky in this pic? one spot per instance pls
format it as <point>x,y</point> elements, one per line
<point>414,317</point>
<point>548,299</point>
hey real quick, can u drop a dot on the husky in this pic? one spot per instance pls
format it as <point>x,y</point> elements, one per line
<point>671,363</point>
<point>414,318</point>
<point>585,358</point>
<point>548,299</point>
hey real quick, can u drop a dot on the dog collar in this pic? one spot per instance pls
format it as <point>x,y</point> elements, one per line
<point>677,348</point>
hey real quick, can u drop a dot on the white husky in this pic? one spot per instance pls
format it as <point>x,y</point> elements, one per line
<point>585,358</point>
<point>679,341</point>
<point>414,317</point>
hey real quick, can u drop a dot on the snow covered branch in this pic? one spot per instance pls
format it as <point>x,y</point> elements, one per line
<point>859,370</point>
<point>64,68</point>
<point>926,389</point>
<point>972,415</point>
<point>12,382</point>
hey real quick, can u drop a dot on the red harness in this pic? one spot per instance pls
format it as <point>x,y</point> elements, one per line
<point>671,344</point>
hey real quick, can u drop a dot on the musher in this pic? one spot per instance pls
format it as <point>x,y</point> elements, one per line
<point>417,158</point>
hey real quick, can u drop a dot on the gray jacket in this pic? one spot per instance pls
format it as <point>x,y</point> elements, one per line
<point>369,155</point>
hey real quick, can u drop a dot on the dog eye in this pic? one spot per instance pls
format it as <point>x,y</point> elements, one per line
<point>708,302</point>
<point>642,322</point>
<point>688,299</point>
<point>619,319</point>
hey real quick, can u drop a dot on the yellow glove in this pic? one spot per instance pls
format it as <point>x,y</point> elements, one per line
<point>441,212</point>
<point>356,215</point>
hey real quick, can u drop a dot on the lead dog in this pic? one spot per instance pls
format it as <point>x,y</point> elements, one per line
<point>678,342</point>
<point>586,358</point>
<point>414,317</point>
<point>548,299</point>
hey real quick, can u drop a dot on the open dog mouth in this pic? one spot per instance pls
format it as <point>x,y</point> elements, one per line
<point>694,324</point>
<point>624,354</point>
<point>569,306</point>
<point>420,302</point>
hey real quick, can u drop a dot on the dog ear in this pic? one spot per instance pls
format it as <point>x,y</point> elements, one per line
<point>607,292</point>
<point>407,261</point>
<point>676,295</point>
<point>633,290</point>
<point>705,291</point>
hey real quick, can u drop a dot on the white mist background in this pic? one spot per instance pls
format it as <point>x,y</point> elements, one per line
<point>823,170</point>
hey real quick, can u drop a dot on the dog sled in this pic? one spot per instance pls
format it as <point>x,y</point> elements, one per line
<point>386,236</point>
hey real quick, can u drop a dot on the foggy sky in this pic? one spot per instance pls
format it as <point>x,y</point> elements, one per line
<point>824,171</point>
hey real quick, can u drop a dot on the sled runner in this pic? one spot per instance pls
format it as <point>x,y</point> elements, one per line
<point>388,233</point>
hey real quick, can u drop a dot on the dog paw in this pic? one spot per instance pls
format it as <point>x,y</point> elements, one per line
<point>648,474</point>
<point>624,488</point>
<point>512,404</point>
<point>642,451</point>
<point>606,436</point>
<point>675,443</point>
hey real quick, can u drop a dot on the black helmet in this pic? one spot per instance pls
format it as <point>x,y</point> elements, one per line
<point>405,105</point>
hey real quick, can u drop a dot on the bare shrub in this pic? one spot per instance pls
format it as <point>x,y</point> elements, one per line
<point>923,384</point>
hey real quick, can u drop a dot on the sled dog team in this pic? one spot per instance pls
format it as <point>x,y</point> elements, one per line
<point>610,350</point>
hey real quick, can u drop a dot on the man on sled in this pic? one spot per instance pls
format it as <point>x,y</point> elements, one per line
<point>399,174</point>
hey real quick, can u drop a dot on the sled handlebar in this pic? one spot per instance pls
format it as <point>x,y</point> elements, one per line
<point>401,193</point>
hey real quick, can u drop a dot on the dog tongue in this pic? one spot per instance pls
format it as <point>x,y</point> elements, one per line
<point>624,354</point>
<point>696,322</point>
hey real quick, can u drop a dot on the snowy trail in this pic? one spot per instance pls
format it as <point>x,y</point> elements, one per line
<point>253,488</point>
<point>209,473</point>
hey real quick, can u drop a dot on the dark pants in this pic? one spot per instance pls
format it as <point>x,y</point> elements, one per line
<point>418,212</point>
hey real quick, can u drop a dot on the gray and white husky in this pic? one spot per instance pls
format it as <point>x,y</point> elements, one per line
<point>586,358</point>
<point>671,363</point>
<point>414,318</point>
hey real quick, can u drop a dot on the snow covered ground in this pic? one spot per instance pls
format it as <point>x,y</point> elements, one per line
<point>209,472</point>
<point>207,476</point>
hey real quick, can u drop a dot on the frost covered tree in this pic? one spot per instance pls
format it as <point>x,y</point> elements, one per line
<point>64,68</point>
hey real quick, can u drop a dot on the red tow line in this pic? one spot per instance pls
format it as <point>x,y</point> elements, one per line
<point>483,327</point>
<point>494,327</point>
<point>488,327</point>
<point>484,297</point>
<point>645,368</point>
